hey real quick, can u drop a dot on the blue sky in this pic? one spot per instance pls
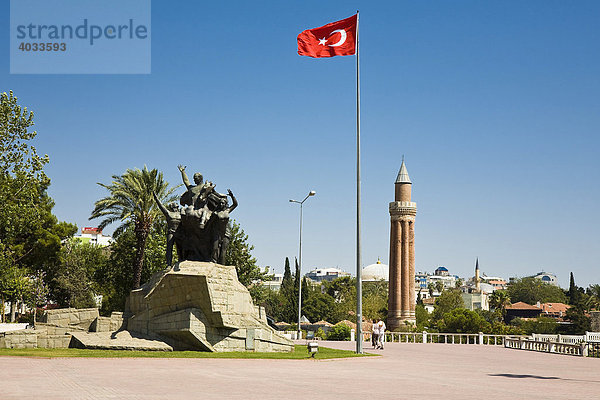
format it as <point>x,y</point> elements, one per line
<point>494,104</point>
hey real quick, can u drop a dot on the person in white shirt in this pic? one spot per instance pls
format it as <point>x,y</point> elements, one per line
<point>375,333</point>
<point>381,335</point>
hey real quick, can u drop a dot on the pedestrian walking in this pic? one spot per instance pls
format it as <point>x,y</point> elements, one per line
<point>381,334</point>
<point>374,333</point>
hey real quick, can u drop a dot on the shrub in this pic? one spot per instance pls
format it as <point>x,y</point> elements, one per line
<point>339,332</point>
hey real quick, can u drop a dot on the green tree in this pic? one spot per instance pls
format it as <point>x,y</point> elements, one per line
<point>113,277</point>
<point>499,300</point>
<point>287,282</point>
<point>446,302</point>
<point>422,317</point>
<point>579,318</point>
<point>576,294</point>
<point>593,291</point>
<point>531,290</point>
<point>73,283</point>
<point>375,300</point>
<point>275,305</point>
<point>39,293</point>
<point>439,286</point>
<point>431,288</point>
<point>538,325</point>
<point>14,287</point>
<point>130,201</point>
<point>343,290</point>
<point>318,306</point>
<point>30,236</point>
<point>461,320</point>
<point>239,254</point>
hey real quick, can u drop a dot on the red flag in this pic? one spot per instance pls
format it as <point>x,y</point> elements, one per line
<point>334,39</point>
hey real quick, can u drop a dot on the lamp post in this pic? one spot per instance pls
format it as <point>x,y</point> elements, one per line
<point>311,193</point>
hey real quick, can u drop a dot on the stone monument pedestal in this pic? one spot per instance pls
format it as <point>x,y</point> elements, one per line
<point>201,306</point>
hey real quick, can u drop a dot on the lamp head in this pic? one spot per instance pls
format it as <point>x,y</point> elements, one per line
<point>312,193</point>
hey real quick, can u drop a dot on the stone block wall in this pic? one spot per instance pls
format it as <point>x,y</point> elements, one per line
<point>24,339</point>
<point>202,306</point>
<point>68,317</point>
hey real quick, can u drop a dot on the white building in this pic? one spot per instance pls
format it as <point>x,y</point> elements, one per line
<point>94,236</point>
<point>547,278</point>
<point>275,283</point>
<point>326,274</point>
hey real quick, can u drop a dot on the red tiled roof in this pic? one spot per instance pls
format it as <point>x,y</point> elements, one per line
<point>322,322</point>
<point>521,306</point>
<point>555,307</point>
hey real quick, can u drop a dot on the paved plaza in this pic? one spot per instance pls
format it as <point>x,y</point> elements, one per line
<point>405,371</point>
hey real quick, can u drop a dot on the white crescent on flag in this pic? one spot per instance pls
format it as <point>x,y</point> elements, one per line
<point>342,38</point>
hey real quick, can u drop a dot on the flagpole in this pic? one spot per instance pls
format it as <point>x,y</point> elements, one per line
<point>359,337</point>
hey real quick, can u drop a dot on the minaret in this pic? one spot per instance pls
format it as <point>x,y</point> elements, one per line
<point>401,304</point>
<point>477,280</point>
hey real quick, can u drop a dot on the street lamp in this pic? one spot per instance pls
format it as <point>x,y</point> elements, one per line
<point>311,193</point>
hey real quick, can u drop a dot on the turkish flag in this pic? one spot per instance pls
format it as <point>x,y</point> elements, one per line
<point>334,39</point>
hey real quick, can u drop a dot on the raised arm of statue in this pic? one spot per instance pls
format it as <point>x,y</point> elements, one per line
<point>184,176</point>
<point>234,202</point>
<point>160,205</point>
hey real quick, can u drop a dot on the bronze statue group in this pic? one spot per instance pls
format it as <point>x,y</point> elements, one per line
<point>199,229</point>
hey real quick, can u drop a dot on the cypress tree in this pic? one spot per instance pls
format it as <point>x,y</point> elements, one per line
<point>572,290</point>
<point>286,282</point>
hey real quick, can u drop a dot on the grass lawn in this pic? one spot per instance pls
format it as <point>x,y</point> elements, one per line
<point>300,353</point>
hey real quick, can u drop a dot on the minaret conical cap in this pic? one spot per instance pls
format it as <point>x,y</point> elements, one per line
<point>403,174</point>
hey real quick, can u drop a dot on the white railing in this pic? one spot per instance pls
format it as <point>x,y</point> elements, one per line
<point>435,337</point>
<point>589,337</point>
<point>573,349</point>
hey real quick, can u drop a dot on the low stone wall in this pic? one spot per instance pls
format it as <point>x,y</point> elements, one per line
<point>24,339</point>
<point>55,328</point>
<point>54,341</point>
<point>66,317</point>
<point>114,323</point>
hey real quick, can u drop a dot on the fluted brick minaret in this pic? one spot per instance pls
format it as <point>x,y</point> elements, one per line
<point>401,304</point>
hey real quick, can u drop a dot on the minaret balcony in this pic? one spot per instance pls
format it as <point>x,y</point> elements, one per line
<point>409,207</point>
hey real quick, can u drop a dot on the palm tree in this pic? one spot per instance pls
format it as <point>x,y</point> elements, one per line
<point>499,300</point>
<point>130,201</point>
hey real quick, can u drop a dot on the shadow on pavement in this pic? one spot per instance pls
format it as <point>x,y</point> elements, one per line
<point>520,376</point>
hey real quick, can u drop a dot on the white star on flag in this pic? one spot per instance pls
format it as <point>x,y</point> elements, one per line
<point>322,41</point>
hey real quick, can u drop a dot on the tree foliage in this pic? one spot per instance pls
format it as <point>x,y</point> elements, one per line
<point>319,306</point>
<point>445,303</point>
<point>536,325</point>
<point>73,279</point>
<point>461,320</point>
<point>531,290</point>
<point>375,300</point>
<point>30,235</point>
<point>113,277</point>
<point>239,254</point>
<point>130,202</point>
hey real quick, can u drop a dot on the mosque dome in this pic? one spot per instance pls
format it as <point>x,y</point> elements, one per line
<point>375,272</point>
